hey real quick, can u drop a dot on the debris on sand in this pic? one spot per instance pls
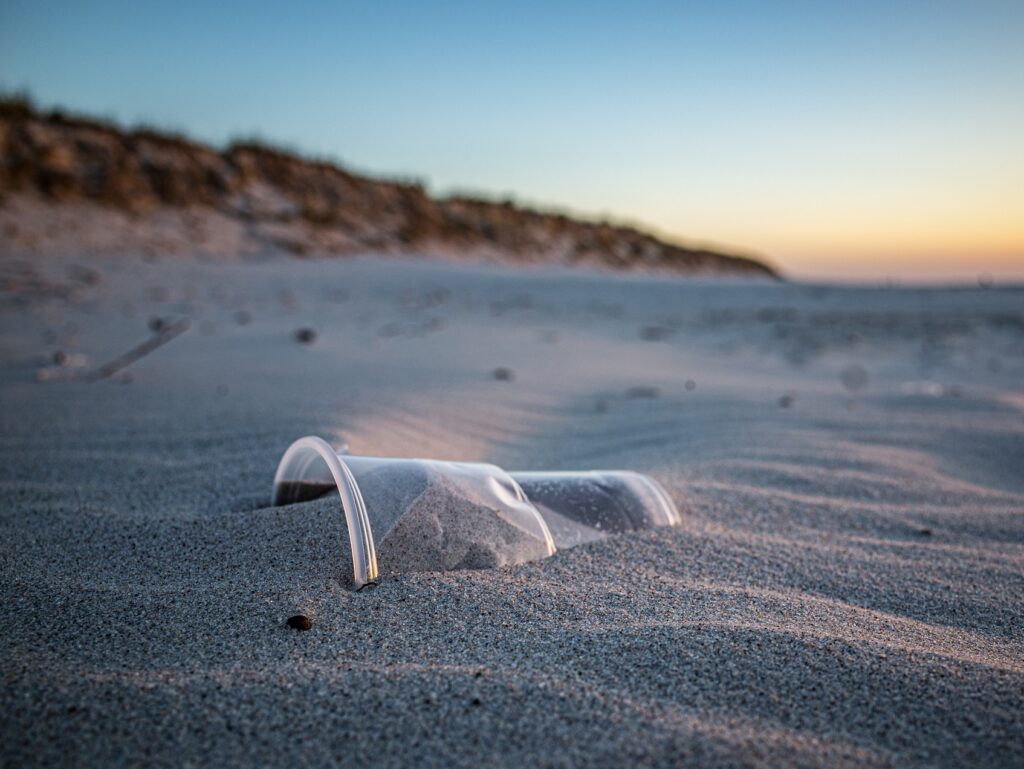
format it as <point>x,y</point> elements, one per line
<point>300,622</point>
<point>503,374</point>
<point>166,334</point>
<point>306,335</point>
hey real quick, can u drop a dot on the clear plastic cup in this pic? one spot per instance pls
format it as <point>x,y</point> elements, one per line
<point>430,515</point>
<point>581,507</point>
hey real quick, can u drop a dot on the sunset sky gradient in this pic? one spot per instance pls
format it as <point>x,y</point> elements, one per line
<point>862,141</point>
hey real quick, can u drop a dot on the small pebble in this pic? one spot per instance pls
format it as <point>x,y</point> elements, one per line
<point>690,385</point>
<point>157,324</point>
<point>925,532</point>
<point>786,401</point>
<point>305,336</point>
<point>503,374</point>
<point>300,622</point>
<point>243,318</point>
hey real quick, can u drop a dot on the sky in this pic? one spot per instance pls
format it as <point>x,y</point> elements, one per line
<point>856,141</point>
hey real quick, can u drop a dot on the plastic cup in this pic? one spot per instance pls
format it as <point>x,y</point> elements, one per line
<point>430,515</point>
<point>434,515</point>
<point>581,507</point>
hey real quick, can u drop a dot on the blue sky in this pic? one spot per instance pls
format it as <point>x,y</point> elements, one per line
<point>852,140</point>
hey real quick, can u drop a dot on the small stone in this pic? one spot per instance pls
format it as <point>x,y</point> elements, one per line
<point>690,385</point>
<point>786,401</point>
<point>925,532</point>
<point>243,318</point>
<point>503,374</point>
<point>60,358</point>
<point>157,324</point>
<point>300,622</point>
<point>305,336</point>
<point>476,702</point>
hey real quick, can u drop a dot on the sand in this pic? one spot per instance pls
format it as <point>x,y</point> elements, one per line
<point>846,588</point>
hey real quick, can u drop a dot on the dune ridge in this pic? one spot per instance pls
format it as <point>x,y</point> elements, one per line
<point>71,184</point>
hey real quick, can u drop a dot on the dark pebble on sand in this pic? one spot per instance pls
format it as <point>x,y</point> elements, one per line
<point>477,702</point>
<point>503,374</point>
<point>242,318</point>
<point>305,336</point>
<point>60,358</point>
<point>157,324</point>
<point>925,532</point>
<point>786,401</point>
<point>300,622</point>
<point>690,385</point>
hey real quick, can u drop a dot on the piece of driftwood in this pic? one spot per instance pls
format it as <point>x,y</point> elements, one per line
<point>165,335</point>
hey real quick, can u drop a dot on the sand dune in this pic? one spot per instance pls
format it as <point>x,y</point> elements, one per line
<point>846,587</point>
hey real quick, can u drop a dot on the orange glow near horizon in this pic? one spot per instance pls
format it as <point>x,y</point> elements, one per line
<point>917,241</point>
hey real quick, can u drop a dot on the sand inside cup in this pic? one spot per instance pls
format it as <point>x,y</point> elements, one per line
<point>425,521</point>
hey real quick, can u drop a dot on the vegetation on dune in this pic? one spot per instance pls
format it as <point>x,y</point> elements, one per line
<point>71,158</point>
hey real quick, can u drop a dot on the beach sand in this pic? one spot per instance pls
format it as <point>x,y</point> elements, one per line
<point>846,588</point>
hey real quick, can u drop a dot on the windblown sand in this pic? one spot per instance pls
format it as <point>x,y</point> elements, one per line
<point>846,589</point>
